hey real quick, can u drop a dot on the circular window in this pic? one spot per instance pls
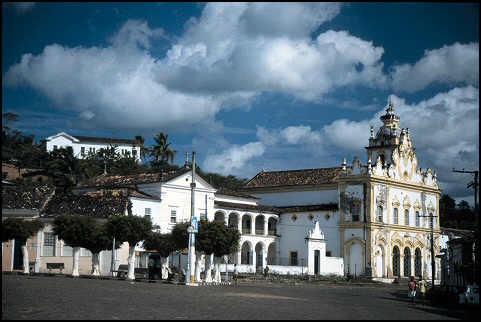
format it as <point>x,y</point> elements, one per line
<point>310,217</point>
<point>327,216</point>
<point>294,217</point>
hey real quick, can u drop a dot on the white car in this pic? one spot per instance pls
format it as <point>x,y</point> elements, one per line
<point>470,296</point>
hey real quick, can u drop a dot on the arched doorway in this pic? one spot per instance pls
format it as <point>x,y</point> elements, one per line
<point>317,261</point>
<point>246,254</point>
<point>395,261</point>
<point>418,267</point>
<point>407,262</point>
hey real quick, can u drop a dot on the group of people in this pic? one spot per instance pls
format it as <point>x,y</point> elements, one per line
<point>155,267</point>
<point>420,287</point>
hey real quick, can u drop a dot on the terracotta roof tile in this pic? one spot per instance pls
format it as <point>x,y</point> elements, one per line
<point>329,206</point>
<point>119,192</point>
<point>294,178</point>
<point>25,198</point>
<point>83,205</point>
<point>231,192</point>
<point>131,179</point>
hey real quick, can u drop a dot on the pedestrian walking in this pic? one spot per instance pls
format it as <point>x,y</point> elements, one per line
<point>236,273</point>
<point>412,290</point>
<point>421,288</point>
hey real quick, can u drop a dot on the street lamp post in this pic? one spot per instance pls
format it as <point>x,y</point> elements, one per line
<point>192,229</point>
<point>431,222</point>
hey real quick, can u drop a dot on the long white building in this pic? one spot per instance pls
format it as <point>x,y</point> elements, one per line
<point>83,145</point>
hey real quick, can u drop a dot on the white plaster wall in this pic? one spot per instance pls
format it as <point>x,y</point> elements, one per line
<point>282,199</point>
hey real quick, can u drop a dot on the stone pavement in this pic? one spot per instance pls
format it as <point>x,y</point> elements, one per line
<point>35,297</point>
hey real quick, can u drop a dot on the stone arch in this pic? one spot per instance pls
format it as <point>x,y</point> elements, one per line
<point>246,253</point>
<point>259,224</point>
<point>233,219</point>
<point>272,255</point>
<point>247,223</point>
<point>220,216</point>
<point>380,260</point>
<point>355,256</point>
<point>407,261</point>
<point>272,226</point>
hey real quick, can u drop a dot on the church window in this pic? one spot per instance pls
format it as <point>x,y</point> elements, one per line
<point>417,219</point>
<point>355,212</point>
<point>379,214</point>
<point>406,217</point>
<point>396,216</point>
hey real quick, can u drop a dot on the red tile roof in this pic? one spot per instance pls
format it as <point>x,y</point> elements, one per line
<point>294,178</point>
<point>83,205</point>
<point>25,198</point>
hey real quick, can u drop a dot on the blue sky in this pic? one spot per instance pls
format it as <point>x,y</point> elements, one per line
<point>251,86</point>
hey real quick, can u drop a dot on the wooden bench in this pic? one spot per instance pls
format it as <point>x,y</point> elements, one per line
<point>141,272</point>
<point>31,266</point>
<point>59,266</point>
<point>122,270</point>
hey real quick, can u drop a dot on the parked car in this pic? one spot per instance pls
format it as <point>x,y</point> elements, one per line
<point>470,296</point>
<point>444,294</point>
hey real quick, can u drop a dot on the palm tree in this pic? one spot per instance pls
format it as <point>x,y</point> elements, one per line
<point>143,148</point>
<point>160,150</point>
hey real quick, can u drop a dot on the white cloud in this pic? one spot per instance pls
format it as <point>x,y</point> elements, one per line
<point>456,64</point>
<point>218,60</point>
<point>233,159</point>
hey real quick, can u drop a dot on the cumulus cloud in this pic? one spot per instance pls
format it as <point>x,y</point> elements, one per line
<point>456,64</point>
<point>219,59</point>
<point>233,159</point>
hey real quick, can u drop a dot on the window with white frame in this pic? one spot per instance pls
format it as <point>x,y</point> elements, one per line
<point>395,216</point>
<point>148,213</point>
<point>82,151</point>
<point>48,244</point>
<point>173,216</point>
<point>406,217</point>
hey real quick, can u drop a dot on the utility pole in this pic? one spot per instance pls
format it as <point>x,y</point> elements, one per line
<point>474,184</point>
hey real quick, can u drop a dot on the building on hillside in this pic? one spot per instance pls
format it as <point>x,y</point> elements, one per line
<point>83,145</point>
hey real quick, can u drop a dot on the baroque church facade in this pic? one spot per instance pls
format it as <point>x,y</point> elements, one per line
<point>380,218</point>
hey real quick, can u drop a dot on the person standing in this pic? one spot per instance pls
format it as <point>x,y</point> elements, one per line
<point>421,287</point>
<point>158,268</point>
<point>412,290</point>
<point>236,273</point>
<point>151,267</point>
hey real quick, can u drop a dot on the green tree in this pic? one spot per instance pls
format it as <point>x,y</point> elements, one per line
<point>162,244</point>
<point>65,168</point>
<point>215,237</point>
<point>96,240</point>
<point>143,149</point>
<point>160,151</point>
<point>74,231</point>
<point>20,230</point>
<point>131,229</point>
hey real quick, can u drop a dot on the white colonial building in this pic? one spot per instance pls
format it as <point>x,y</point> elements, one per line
<point>83,145</point>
